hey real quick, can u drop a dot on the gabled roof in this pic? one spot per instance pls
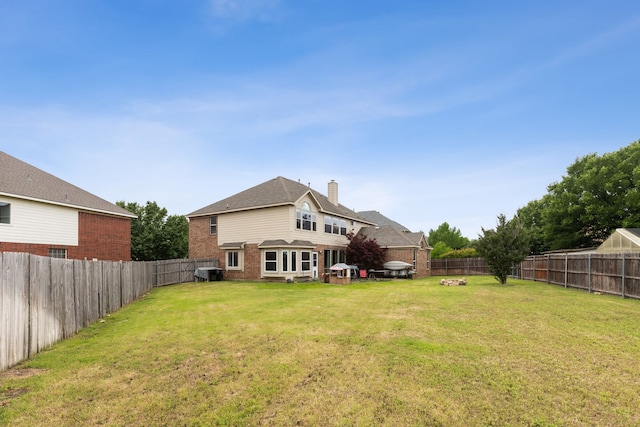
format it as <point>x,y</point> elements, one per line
<point>275,192</point>
<point>381,220</point>
<point>621,240</point>
<point>21,180</point>
<point>633,231</point>
<point>390,237</point>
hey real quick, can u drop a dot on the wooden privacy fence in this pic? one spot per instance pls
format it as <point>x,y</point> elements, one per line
<point>459,267</point>
<point>616,274</point>
<point>45,300</point>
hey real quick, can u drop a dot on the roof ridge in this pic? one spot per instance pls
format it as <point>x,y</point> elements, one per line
<point>23,180</point>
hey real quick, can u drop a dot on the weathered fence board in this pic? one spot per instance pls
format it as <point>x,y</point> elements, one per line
<point>14,298</point>
<point>459,267</point>
<point>44,300</point>
<point>616,274</point>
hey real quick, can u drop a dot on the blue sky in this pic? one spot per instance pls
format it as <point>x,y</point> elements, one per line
<point>427,111</point>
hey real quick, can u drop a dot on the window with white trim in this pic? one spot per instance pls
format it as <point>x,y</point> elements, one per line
<point>213,225</point>
<point>306,261</point>
<point>334,225</point>
<point>58,253</point>
<point>305,218</point>
<point>233,259</point>
<point>271,261</point>
<point>5,213</point>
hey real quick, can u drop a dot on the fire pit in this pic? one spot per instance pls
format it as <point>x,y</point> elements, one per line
<point>453,282</point>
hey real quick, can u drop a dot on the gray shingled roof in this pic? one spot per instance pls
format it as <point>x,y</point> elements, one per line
<point>381,220</point>
<point>275,192</point>
<point>21,180</point>
<point>388,236</point>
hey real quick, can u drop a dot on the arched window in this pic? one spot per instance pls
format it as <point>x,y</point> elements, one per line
<point>305,218</point>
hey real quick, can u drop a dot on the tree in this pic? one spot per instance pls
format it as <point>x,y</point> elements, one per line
<point>461,253</point>
<point>439,249</point>
<point>452,237</point>
<point>364,252</point>
<point>597,195</point>
<point>156,236</point>
<point>503,247</point>
<point>532,220</point>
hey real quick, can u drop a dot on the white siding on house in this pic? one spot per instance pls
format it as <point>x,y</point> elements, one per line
<point>40,223</point>
<point>254,226</point>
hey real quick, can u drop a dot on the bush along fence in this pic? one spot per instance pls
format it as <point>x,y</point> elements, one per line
<point>615,274</point>
<point>45,300</point>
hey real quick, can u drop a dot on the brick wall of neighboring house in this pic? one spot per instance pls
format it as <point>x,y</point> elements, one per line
<point>424,264</point>
<point>406,255</point>
<point>102,237</point>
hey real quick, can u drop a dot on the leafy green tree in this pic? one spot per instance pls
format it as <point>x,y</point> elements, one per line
<point>598,195</point>
<point>439,249</point>
<point>461,253</point>
<point>504,247</point>
<point>156,236</point>
<point>532,219</point>
<point>452,237</point>
<point>364,252</point>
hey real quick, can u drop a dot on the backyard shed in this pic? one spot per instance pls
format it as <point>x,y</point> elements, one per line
<point>622,240</point>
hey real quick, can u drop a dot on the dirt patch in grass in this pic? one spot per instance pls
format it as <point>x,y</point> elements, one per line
<point>7,395</point>
<point>21,373</point>
<point>13,392</point>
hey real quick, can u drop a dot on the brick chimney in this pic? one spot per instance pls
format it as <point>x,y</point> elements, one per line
<point>333,192</point>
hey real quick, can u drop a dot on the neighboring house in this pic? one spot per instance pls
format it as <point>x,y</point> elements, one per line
<point>280,229</point>
<point>399,243</point>
<point>622,240</point>
<point>44,215</point>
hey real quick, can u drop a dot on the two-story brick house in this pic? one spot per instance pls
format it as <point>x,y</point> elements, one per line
<point>45,215</point>
<point>280,229</point>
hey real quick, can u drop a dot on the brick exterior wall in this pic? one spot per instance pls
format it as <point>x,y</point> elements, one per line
<point>103,237</point>
<point>202,244</point>
<point>398,254</point>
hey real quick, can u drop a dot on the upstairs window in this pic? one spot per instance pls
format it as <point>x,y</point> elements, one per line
<point>305,219</point>
<point>5,213</point>
<point>333,225</point>
<point>213,225</point>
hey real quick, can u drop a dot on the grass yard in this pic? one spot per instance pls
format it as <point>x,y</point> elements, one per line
<point>396,353</point>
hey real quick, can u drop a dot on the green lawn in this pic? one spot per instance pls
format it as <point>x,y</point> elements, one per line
<point>395,353</point>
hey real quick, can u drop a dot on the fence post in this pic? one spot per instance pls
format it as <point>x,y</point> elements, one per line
<point>624,258</point>
<point>566,269</point>
<point>548,280</point>
<point>589,274</point>
<point>534,268</point>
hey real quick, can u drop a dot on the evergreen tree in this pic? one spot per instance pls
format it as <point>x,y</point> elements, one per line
<point>504,247</point>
